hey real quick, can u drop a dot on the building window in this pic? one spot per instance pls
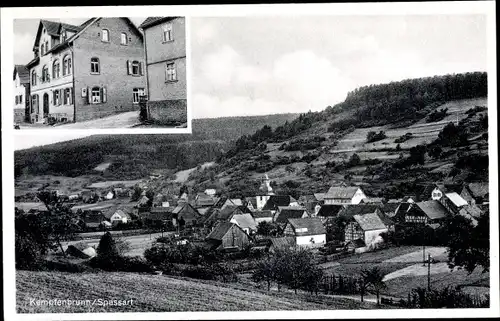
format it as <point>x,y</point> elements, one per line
<point>167,32</point>
<point>56,98</point>
<point>20,99</point>
<point>45,74</point>
<point>171,74</point>
<point>67,97</point>
<point>105,35</point>
<point>135,68</point>
<point>124,39</point>
<point>136,94</point>
<point>55,69</point>
<point>96,95</point>
<point>94,66</point>
<point>33,78</point>
<point>42,50</point>
<point>67,67</point>
<point>46,46</point>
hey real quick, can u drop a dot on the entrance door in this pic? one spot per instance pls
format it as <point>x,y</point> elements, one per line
<point>45,105</point>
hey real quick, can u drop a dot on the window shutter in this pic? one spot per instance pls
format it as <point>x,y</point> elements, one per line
<point>129,67</point>
<point>71,94</point>
<point>61,93</point>
<point>103,97</point>
<point>141,70</point>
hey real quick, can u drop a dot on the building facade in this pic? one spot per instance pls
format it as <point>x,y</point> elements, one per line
<point>21,93</point>
<point>165,53</point>
<point>88,71</point>
<point>344,195</point>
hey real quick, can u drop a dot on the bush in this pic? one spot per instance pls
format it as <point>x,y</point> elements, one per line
<point>374,136</point>
<point>437,115</point>
<point>404,138</point>
<point>120,263</point>
<point>107,247</point>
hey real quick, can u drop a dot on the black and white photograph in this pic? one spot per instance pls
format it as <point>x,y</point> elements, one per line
<point>97,73</point>
<point>341,158</point>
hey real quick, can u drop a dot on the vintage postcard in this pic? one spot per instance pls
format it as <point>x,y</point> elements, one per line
<point>341,162</point>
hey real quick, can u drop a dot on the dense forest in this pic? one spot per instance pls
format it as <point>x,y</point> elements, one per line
<point>408,99</point>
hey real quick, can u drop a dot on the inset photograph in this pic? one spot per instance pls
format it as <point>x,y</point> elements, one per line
<point>96,73</point>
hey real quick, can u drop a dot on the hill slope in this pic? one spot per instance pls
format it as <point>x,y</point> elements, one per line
<point>152,293</point>
<point>134,156</point>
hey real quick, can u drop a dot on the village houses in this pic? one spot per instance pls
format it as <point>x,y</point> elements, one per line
<point>81,72</point>
<point>165,54</point>
<point>344,195</point>
<point>21,93</point>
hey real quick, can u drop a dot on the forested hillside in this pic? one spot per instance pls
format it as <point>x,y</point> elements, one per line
<point>379,134</point>
<point>134,156</point>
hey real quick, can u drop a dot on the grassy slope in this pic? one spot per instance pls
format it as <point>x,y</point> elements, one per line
<point>153,293</point>
<point>355,142</point>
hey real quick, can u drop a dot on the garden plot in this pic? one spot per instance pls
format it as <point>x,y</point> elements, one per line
<point>108,184</point>
<point>416,256</point>
<point>419,269</point>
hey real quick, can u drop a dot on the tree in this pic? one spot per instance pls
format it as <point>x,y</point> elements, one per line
<point>452,135</point>
<point>265,271</point>
<point>136,194</point>
<point>468,245</point>
<point>59,222</point>
<point>354,160</point>
<point>417,155</point>
<point>435,151</point>
<point>373,278</point>
<point>107,248</point>
<point>267,229</point>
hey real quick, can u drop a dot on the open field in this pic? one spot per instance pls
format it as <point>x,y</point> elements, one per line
<point>154,293</point>
<point>400,286</point>
<point>182,176</point>
<point>422,132</point>
<point>107,184</point>
<point>137,243</point>
<point>30,184</point>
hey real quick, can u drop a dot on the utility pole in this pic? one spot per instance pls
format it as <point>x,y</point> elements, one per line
<point>429,273</point>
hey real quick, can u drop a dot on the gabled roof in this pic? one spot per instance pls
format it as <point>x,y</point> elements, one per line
<point>456,199</point>
<point>478,189</point>
<point>341,192</point>
<point>283,242</point>
<point>373,200</point>
<point>262,214</point>
<point>156,216</point>
<point>369,222</point>
<point>161,209</point>
<point>119,212</point>
<point>245,220</point>
<point>228,211</point>
<point>389,208</point>
<point>307,226</point>
<point>277,200</point>
<point>433,209</point>
<point>285,213</point>
<point>23,72</point>
<point>471,210</point>
<point>320,196</point>
<point>153,21</point>
<point>330,210</point>
<point>358,209</point>
<point>220,230</point>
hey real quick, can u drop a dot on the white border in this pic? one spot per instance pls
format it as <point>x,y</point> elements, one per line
<point>479,7</point>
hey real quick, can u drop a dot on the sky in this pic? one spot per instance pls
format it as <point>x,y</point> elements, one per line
<point>263,65</point>
<point>259,65</point>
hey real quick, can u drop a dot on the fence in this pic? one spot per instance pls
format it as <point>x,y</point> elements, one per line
<point>444,298</point>
<point>337,284</point>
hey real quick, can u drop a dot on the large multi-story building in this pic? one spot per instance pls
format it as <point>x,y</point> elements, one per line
<point>88,71</point>
<point>21,93</point>
<point>165,53</point>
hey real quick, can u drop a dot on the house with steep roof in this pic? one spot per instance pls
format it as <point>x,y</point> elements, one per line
<point>246,222</point>
<point>21,93</point>
<point>308,232</point>
<point>262,216</point>
<point>344,195</point>
<point>275,201</point>
<point>475,193</point>
<point>282,243</point>
<point>472,212</point>
<point>227,236</point>
<point>185,214</point>
<point>31,207</point>
<point>203,200</point>
<point>453,202</point>
<point>362,232</point>
<point>284,213</point>
<point>330,210</point>
<point>118,216</point>
<point>426,212</point>
<point>165,51</point>
<point>73,76</point>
